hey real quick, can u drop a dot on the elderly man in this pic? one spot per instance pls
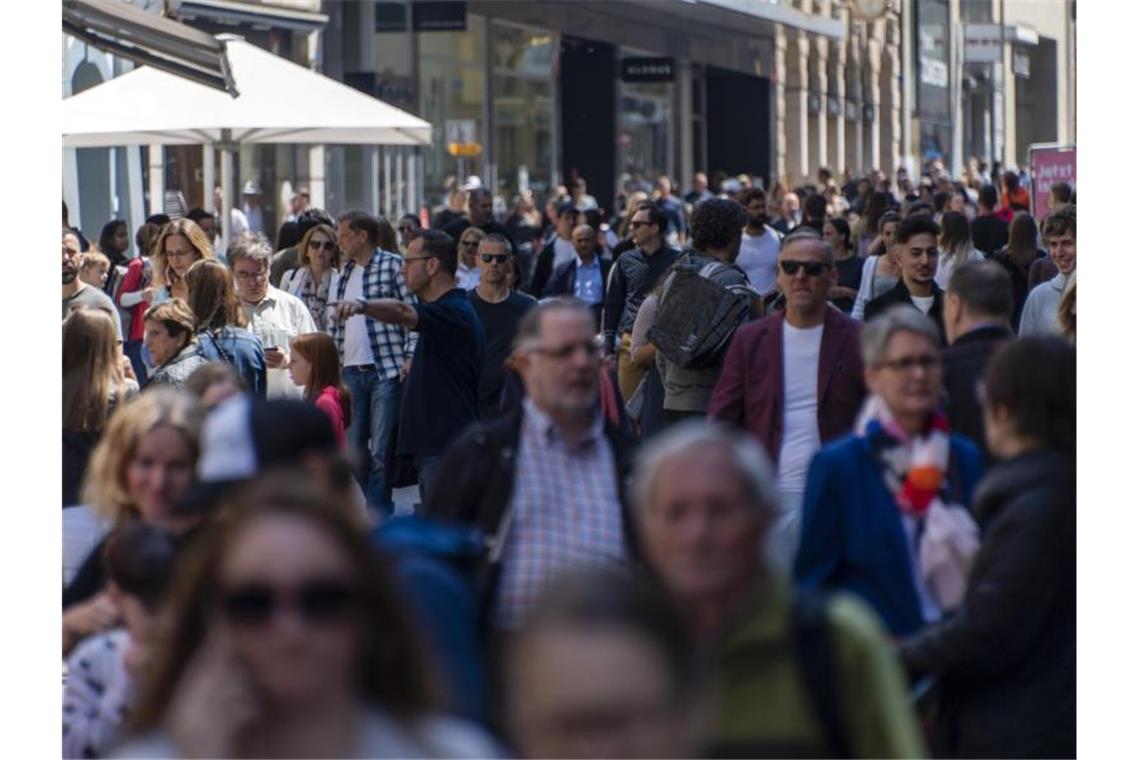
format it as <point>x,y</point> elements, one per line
<point>794,380</point>
<point>546,480</point>
<point>274,315</point>
<point>789,214</point>
<point>796,676</point>
<point>585,276</point>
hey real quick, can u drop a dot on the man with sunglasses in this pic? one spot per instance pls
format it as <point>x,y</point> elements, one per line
<point>546,480</point>
<point>441,395</point>
<point>794,379</point>
<point>916,247</point>
<point>634,274</point>
<point>500,309</point>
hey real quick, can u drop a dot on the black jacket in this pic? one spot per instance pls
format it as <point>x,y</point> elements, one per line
<point>562,282</point>
<point>900,295</point>
<point>963,368</point>
<point>1006,661</point>
<point>543,269</point>
<point>480,474</point>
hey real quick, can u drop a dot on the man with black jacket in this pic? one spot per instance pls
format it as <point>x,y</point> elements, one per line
<point>917,244</point>
<point>545,482</point>
<point>584,277</point>
<point>976,316</point>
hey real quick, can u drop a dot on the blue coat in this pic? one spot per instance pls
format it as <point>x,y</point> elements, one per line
<point>853,537</point>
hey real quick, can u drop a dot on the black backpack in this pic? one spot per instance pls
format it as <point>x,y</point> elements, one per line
<point>696,317</point>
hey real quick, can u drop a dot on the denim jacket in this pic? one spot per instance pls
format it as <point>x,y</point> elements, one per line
<point>241,349</point>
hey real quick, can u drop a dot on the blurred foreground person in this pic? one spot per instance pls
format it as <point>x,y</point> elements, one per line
<point>795,675</point>
<point>286,638</point>
<point>141,469</point>
<point>1005,664</point>
<point>871,495</point>
<point>603,668</point>
<point>213,383</point>
<point>139,561</point>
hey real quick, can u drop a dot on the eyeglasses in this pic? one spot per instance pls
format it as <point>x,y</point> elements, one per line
<point>470,244</point>
<point>319,601</point>
<point>404,228</point>
<point>328,245</point>
<point>498,258</point>
<point>254,276</point>
<point>592,348</point>
<point>907,363</point>
<point>813,268</point>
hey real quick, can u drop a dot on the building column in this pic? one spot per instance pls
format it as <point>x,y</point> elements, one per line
<point>871,66</point>
<point>157,172</point>
<point>854,127</point>
<point>817,123</point>
<point>779,105</point>
<point>890,140</point>
<point>684,90</point>
<point>796,118</point>
<point>837,89</point>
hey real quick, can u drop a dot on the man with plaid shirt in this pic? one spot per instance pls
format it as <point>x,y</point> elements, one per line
<point>375,356</point>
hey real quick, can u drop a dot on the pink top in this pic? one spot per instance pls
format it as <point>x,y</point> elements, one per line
<point>328,401</point>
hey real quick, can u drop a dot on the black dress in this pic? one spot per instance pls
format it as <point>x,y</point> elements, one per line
<point>850,276</point>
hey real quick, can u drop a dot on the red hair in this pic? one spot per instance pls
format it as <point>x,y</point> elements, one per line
<point>319,350</point>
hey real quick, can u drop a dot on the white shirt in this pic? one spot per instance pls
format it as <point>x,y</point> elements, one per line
<point>466,278</point>
<point>946,267</point>
<point>800,440</point>
<point>278,319</point>
<point>924,303</point>
<point>357,347</point>
<point>563,252</point>
<point>758,257</point>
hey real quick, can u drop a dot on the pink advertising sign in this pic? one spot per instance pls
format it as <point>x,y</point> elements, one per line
<point>1048,165</point>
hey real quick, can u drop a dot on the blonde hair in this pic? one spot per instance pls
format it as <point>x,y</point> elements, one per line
<point>105,487</point>
<point>92,373</point>
<point>193,234</point>
<point>303,246</point>
<point>92,258</point>
<point>472,232</point>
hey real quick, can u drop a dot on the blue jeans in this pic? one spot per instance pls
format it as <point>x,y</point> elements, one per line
<point>374,411</point>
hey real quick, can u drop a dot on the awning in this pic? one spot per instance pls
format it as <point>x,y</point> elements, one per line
<point>251,13</point>
<point>149,40</point>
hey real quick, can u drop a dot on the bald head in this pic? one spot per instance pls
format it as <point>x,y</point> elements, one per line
<point>585,240</point>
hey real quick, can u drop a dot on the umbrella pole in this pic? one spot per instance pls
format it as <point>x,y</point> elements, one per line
<point>227,196</point>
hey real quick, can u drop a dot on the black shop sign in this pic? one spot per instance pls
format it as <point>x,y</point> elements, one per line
<point>647,69</point>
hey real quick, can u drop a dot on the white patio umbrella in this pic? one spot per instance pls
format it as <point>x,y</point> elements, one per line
<point>279,102</point>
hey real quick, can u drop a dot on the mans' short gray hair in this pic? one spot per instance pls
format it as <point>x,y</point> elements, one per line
<point>877,334</point>
<point>254,247</point>
<point>809,235</point>
<point>746,455</point>
<point>495,238</point>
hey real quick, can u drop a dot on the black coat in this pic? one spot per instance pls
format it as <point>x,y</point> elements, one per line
<point>562,282</point>
<point>1006,661</point>
<point>963,369</point>
<point>900,295</point>
<point>480,467</point>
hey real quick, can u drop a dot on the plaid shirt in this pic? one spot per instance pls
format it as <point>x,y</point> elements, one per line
<point>391,344</point>
<point>564,512</point>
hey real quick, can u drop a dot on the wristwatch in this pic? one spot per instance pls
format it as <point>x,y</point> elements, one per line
<point>362,303</point>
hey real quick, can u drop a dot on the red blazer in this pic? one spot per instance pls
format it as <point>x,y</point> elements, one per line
<point>750,391</point>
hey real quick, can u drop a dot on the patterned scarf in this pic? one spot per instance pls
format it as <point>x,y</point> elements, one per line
<point>914,467</point>
<point>315,295</point>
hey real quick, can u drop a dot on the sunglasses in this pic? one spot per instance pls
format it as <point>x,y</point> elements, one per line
<point>498,258</point>
<point>328,245</point>
<point>907,363</point>
<point>470,243</point>
<point>318,601</point>
<point>405,228</point>
<point>813,268</point>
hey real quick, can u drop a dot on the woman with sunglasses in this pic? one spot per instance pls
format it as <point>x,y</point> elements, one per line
<point>467,273</point>
<point>873,497</point>
<point>408,224</point>
<point>287,639</point>
<point>318,274</point>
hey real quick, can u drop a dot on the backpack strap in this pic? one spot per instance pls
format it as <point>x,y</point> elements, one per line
<point>814,656</point>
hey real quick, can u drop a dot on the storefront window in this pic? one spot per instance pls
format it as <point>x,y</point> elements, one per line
<point>523,100</point>
<point>645,122</point>
<point>451,89</point>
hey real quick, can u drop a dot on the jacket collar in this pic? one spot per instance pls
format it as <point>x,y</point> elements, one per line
<point>984,333</point>
<point>1034,470</point>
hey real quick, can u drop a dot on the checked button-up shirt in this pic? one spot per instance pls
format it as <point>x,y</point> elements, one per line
<point>391,344</point>
<point>565,512</point>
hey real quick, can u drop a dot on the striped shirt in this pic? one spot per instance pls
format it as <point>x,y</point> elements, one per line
<point>391,344</point>
<point>632,277</point>
<point>564,512</point>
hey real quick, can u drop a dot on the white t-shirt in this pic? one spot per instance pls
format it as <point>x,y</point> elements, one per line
<point>924,303</point>
<point>758,257</point>
<point>801,434</point>
<point>357,347</point>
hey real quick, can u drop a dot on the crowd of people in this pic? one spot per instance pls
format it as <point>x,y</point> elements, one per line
<point>709,477</point>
